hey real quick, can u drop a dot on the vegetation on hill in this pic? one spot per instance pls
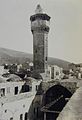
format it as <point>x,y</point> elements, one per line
<point>11,56</point>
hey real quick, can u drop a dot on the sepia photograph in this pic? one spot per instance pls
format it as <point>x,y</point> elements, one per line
<point>40,60</point>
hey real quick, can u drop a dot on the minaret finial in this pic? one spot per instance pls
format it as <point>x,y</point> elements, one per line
<point>38,9</point>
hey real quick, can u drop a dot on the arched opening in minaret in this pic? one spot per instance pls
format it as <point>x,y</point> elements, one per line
<point>54,101</point>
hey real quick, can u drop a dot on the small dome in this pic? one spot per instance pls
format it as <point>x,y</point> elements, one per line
<point>2,79</point>
<point>14,78</point>
<point>38,9</point>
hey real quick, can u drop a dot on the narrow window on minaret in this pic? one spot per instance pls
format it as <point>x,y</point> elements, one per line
<point>46,58</point>
<point>36,51</point>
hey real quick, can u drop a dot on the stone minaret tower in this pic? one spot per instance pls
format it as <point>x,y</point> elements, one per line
<point>40,29</point>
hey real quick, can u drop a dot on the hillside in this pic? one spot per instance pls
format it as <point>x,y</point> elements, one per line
<point>12,56</point>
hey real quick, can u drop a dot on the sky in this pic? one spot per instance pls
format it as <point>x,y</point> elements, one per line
<point>65,36</point>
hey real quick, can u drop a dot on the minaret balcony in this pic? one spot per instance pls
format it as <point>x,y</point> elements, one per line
<point>42,28</point>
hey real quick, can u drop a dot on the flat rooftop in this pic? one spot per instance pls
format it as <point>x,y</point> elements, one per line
<point>17,97</point>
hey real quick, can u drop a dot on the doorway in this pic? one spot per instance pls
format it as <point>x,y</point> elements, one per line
<point>16,90</point>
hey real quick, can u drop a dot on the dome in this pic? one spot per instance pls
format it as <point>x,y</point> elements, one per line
<point>14,78</point>
<point>2,79</point>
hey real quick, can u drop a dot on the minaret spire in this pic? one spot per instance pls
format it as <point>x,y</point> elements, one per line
<point>38,9</point>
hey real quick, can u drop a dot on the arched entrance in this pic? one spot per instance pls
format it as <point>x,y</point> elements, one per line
<point>54,100</point>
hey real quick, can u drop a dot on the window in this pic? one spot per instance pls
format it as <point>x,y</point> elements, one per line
<point>57,73</point>
<point>21,116</point>
<point>36,87</point>
<point>25,88</point>
<point>46,58</point>
<point>11,118</point>
<point>36,51</point>
<point>26,116</point>
<point>52,73</point>
<point>16,90</point>
<point>2,92</point>
<point>34,111</point>
<point>37,112</point>
<point>5,110</point>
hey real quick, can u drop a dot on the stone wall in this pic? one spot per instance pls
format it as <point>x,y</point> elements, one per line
<point>71,86</point>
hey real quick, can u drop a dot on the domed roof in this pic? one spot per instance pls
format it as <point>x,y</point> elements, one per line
<point>14,78</point>
<point>2,79</point>
<point>31,79</point>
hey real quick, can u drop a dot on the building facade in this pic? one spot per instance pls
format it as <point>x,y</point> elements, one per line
<point>16,99</point>
<point>55,72</point>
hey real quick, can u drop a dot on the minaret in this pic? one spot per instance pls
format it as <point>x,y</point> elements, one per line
<point>40,29</point>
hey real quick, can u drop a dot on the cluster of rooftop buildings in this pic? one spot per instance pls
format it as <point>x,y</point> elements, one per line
<point>18,91</point>
<point>16,95</point>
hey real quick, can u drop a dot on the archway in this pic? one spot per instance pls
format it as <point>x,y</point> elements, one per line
<point>54,100</point>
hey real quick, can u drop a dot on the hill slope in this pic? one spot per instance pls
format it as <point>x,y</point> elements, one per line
<point>12,56</point>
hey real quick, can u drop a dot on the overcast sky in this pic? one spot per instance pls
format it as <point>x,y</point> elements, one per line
<point>65,36</point>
